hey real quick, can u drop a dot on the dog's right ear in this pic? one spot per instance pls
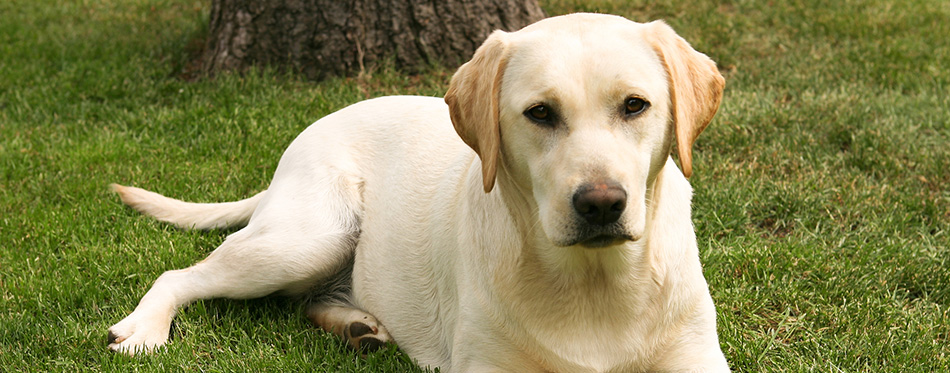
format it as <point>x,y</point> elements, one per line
<point>473,102</point>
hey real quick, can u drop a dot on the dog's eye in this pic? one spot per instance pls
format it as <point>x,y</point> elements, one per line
<point>540,114</point>
<point>635,105</point>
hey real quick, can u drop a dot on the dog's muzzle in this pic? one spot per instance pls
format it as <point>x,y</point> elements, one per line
<point>600,203</point>
<point>599,206</point>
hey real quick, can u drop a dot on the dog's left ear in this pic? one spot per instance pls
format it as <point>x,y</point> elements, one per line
<point>473,103</point>
<point>695,88</point>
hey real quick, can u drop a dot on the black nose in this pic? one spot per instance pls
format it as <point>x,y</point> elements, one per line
<point>600,203</point>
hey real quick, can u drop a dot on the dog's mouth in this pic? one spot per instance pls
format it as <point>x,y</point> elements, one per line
<point>596,237</point>
<point>600,238</point>
<point>604,240</point>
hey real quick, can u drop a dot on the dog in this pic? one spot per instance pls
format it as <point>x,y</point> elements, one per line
<point>547,228</point>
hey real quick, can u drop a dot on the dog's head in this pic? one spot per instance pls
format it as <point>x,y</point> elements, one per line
<point>580,111</point>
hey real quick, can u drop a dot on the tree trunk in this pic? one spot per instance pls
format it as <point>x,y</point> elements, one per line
<point>320,38</point>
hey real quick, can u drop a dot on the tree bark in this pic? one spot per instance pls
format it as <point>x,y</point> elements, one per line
<point>321,38</point>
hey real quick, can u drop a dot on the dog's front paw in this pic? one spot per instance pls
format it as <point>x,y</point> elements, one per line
<point>136,334</point>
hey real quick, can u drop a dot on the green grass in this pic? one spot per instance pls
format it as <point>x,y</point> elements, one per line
<point>821,200</point>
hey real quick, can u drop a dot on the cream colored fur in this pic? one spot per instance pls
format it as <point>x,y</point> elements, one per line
<point>477,260</point>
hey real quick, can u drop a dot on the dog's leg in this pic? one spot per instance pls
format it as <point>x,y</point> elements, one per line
<point>238,269</point>
<point>241,268</point>
<point>357,327</point>
<point>292,243</point>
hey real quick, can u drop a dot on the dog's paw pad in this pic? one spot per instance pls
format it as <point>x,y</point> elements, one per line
<point>358,329</point>
<point>113,338</point>
<point>367,335</point>
<point>371,344</point>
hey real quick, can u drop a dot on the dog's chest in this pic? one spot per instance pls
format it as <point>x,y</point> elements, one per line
<point>584,328</point>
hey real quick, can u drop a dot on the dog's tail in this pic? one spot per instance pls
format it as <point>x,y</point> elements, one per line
<point>189,215</point>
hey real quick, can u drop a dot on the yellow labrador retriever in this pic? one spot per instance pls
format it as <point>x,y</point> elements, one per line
<point>563,242</point>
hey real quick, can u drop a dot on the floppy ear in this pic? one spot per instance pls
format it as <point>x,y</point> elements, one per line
<point>695,88</point>
<point>473,103</point>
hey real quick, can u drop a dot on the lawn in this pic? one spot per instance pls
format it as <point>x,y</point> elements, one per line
<point>822,189</point>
